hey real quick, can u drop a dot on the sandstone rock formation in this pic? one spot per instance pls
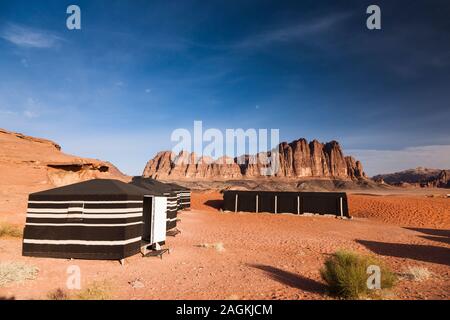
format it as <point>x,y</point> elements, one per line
<point>29,164</point>
<point>296,159</point>
<point>34,162</point>
<point>418,177</point>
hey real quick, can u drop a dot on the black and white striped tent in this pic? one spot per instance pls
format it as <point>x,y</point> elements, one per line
<point>184,196</point>
<point>155,187</point>
<point>96,219</point>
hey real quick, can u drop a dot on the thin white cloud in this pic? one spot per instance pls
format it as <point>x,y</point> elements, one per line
<point>294,32</point>
<point>33,108</point>
<point>7,112</point>
<point>24,62</point>
<point>28,37</point>
<point>30,114</point>
<point>388,161</point>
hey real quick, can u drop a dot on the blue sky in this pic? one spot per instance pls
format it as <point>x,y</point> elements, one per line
<point>137,70</point>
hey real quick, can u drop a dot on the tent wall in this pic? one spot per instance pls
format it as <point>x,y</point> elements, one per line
<point>185,197</point>
<point>86,229</point>
<point>172,211</point>
<point>158,188</point>
<point>287,202</point>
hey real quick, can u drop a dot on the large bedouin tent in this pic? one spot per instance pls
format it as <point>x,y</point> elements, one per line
<point>95,219</point>
<point>334,203</point>
<point>184,195</point>
<point>155,187</point>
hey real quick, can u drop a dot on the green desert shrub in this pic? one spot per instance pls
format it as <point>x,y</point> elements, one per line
<point>346,275</point>
<point>10,231</point>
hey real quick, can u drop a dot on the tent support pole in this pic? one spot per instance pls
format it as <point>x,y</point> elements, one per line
<point>298,204</point>
<point>340,207</point>
<point>236,203</point>
<point>257,203</point>
<point>276,204</point>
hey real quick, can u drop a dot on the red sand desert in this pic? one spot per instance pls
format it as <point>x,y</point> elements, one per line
<point>265,256</point>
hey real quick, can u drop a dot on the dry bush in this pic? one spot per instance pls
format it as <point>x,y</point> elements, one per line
<point>58,294</point>
<point>16,272</point>
<point>218,246</point>
<point>346,275</point>
<point>95,291</point>
<point>416,273</point>
<point>10,231</point>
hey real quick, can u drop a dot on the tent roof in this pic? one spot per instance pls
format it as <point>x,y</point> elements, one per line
<point>93,188</point>
<point>175,186</point>
<point>151,184</point>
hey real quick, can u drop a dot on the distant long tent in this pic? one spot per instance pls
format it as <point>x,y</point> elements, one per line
<point>184,195</point>
<point>156,187</point>
<point>95,219</point>
<point>333,203</point>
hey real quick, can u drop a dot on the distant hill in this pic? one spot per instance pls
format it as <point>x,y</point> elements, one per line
<point>422,177</point>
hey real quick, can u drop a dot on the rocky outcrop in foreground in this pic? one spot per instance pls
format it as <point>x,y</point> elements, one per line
<point>418,177</point>
<point>35,163</point>
<point>296,160</point>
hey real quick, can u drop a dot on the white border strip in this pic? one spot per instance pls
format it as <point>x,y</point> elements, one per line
<point>66,210</point>
<point>83,242</point>
<point>84,224</point>
<point>80,201</point>
<point>84,215</point>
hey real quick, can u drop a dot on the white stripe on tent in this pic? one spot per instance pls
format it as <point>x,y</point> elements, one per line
<point>103,210</point>
<point>84,242</point>
<point>97,216</point>
<point>91,202</point>
<point>84,224</point>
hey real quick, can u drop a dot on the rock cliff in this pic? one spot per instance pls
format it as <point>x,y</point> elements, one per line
<point>296,159</point>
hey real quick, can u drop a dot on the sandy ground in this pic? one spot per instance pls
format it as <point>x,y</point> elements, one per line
<point>413,210</point>
<point>266,256</point>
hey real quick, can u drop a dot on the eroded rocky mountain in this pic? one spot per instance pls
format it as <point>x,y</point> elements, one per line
<point>297,159</point>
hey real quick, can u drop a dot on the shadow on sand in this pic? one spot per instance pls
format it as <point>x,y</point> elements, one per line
<point>291,279</point>
<point>425,253</point>
<point>437,235</point>
<point>432,232</point>
<point>438,239</point>
<point>216,204</point>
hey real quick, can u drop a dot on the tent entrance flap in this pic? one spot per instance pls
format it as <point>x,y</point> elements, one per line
<point>156,217</point>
